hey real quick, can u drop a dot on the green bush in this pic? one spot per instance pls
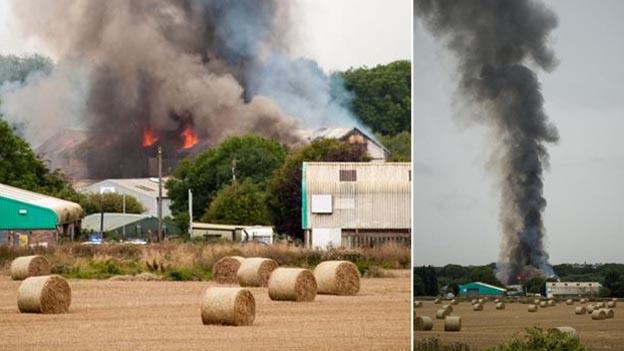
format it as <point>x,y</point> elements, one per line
<point>433,344</point>
<point>537,339</point>
<point>185,274</point>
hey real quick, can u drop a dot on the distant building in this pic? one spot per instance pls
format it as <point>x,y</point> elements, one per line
<point>230,232</point>
<point>129,225</point>
<point>476,289</point>
<point>556,289</point>
<point>374,148</point>
<point>143,189</point>
<point>29,218</point>
<point>356,203</point>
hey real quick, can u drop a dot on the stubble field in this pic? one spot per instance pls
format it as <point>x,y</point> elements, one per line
<point>159,315</point>
<point>491,327</point>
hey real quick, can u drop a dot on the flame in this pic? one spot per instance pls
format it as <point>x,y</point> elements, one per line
<point>149,138</point>
<point>190,138</point>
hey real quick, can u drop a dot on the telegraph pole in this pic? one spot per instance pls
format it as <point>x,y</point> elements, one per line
<point>123,229</point>
<point>190,209</point>
<point>159,202</point>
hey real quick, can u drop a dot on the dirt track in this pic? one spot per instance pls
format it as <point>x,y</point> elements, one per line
<point>492,327</point>
<point>165,316</point>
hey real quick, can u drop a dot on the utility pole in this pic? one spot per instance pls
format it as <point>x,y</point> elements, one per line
<point>190,209</point>
<point>233,170</point>
<point>159,202</point>
<point>123,204</point>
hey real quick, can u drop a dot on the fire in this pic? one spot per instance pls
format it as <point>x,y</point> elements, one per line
<point>190,138</point>
<point>149,138</point>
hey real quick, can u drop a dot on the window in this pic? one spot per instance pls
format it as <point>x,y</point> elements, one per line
<point>348,175</point>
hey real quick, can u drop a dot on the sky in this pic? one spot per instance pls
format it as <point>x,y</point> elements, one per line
<point>456,216</point>
<point>337,34</point>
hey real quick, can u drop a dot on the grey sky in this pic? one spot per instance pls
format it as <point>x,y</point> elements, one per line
<point>455,198</point>
<point>337,34</point>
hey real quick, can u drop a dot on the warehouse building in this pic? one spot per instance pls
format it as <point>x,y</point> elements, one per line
<point>476,289</point>
<point>143,189</point>
<point>29,218</point>
<point>356,204</point>
<point>127,225</point>
<point>570,289</point>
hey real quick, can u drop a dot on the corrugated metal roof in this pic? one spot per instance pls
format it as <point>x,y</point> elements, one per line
<point>112,221</point>
<point>145,186</point>
<point>336,133</point>
<point>66,211</point>
<point>486,285</point>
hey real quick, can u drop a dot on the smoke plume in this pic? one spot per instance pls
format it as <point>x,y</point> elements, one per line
<point>497,42</point>
<point>176,73</point>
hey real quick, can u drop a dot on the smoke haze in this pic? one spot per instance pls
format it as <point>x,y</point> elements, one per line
<point>497,44</point>
<point>128,68</point>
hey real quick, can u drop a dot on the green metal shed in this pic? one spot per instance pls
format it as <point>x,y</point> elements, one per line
<point>480,289</point>
<point>26,210</point>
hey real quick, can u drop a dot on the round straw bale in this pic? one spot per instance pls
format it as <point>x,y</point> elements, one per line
<point>337,278</point>
<point>447,307</point>
<point>29,266</point>
<point>497,300</point>
<point>500,306</point>
<point>454,302</point>
<point>477,307</point>
<point>610,313</point>
<point>474,301</point>
<point>580,310</point>
<point>532,308</point>
<point>599,315</point>
<point>423,323</point>
<point>543,304</point>
<point>452,323</point>
<point>228,306</point>
<point>583,301</point>
<point>536,301</point>
<point>481,301</point>
<point>255,271</point>
<point>611,304</point>
<point>569,302</point>
<point>292,284</point>
<point>591,308</point>
<point>571,332</point>
<point>552,303</point>
<point>418,304</point>
<point>44,294</point>
<point>224,270</point>
<point>437,301</point>
<point>614,299</point>
<point>440,314</point>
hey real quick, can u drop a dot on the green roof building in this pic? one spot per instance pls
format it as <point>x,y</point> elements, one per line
<point>475,289</point>
<point>130,225</point>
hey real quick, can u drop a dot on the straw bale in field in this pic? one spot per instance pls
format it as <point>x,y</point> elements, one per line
<point>29,266</point>
<point>337,278</point>
<point>255,271</point>
<point>44,294</point>
<point>292,284</point>
<point>228,306</point>
<point>224,270</point>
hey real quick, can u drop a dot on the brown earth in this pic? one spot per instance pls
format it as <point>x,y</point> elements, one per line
<point>491,327</point>
<point>159,315</point>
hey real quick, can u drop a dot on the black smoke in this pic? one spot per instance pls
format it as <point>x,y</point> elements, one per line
<point>498,45</point>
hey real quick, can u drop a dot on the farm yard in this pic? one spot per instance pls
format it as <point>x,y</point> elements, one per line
<point>491,327</point>
<point>159,315</point>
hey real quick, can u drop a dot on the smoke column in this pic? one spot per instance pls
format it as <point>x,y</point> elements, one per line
<point>496,43</point>
<point>137,72</point>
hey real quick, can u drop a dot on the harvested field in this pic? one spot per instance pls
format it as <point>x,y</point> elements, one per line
<point>492,327</point>
<point>163,315</point>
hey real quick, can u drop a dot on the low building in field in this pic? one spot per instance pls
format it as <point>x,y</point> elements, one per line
<point>476,289</point>
<point>232,232</point>
<point>356,204</point>
<point>570,289</point>
<point>354,135</point>
<point>29,218</point>
<point>128,225</point>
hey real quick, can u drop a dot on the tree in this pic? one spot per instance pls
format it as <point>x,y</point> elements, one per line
<point>21,168</point>
<point>535,285</point>
<point>429,279</point>
<point>111,202</point>
<point>17,69</point>
<point>285,185</point>
<point>419,285</point>
<point>399,146</point>
<point>382,96</point>
<point>250,156</point>
<point>239,203</point>
<point>614,282</point>
<point>484,274</point>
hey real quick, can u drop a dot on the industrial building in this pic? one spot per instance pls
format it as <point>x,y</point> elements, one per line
<point>355,204</point>
<point>229,232</point>
<point>476,289</point>
<point>29,218</point>
<point>570,289</point>
<point>127,225</point>
<point>143,189</point>
<point>376,151</point>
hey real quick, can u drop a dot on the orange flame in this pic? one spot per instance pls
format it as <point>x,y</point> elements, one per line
<point>190,138</point>
<point>149,138</point>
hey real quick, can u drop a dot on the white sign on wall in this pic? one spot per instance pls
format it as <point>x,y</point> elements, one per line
<point>324,238</point>
<point>321,203</point>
